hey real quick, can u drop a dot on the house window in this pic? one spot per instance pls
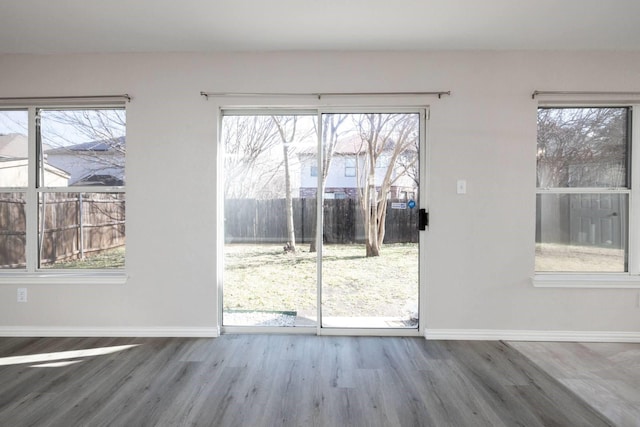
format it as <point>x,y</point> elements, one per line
<point>339,195</point>
<point>313,171</point>
<point>349,167</point>
<point>62,188</point>
<point>583,189</point>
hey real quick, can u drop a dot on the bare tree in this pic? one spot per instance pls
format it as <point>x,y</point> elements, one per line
<point>95,138</point>
<point>385,138</point>
<point>249,169</point>
<point>582,147</point>
<point>287,127</point>
<point>90,145</point>
<point>330,136</point>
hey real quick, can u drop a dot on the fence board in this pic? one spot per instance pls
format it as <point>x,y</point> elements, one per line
<point>74,224</point>
<point>12,230</point>
<point>264,221</point>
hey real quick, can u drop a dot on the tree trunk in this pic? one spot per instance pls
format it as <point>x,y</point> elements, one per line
<point>314,225</point>
<point>373,248</point>
<point>382,215</point>
<point>291,234</point>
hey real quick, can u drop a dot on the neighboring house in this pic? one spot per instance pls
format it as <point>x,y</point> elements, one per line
<point>13,164</point>
<point>91,163</point>
<point>347,166</point>
<point>13,145</point>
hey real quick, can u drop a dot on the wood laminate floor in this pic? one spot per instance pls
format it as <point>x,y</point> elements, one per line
<point>605,375</point>
<point>272,380</point>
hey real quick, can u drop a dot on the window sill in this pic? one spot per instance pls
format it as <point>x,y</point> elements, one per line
<point>57,277</point>
<point>595,280</point>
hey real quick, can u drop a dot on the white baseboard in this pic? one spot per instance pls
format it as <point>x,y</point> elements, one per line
<point>523,335</point>
<point>430,334</point>
<point>44,331</point>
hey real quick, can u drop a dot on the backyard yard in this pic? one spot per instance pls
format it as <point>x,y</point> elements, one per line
<point>265,278</point>
<point>552,257</point>
<point>110,258</point>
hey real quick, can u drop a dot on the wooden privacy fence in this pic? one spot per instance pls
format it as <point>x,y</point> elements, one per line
<point>264,221</point>
<point>74,224</point>
<point>13,226</point>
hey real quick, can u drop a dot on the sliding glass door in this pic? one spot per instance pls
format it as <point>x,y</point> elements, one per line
<point>269,220</point>
<point>370,268</point>
<point>347,254</point>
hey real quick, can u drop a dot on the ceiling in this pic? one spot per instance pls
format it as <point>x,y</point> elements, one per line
<point>97,26</point>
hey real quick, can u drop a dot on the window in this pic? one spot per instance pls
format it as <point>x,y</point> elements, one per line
<point>62,188</point>
<point>13,188</point>
<point>583,190</point>
<point>339,195</point>
<point>313,171</point>
<point>349,167</point>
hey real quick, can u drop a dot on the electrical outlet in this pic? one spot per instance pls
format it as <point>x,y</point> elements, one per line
<point>461,186</point>
<point>22,294</point>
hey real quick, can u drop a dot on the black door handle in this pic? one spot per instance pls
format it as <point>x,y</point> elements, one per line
<point>423,219</point>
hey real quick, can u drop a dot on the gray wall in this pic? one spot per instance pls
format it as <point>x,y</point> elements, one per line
<point>479,253</point>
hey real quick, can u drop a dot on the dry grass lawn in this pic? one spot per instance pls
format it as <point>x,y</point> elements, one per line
<point>265,278</point>
<point>572,258</point>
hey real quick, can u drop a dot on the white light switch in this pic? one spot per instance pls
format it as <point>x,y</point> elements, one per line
<point>462,186</point>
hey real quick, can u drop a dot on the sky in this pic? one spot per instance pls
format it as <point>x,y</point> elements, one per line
<point>58,134</point>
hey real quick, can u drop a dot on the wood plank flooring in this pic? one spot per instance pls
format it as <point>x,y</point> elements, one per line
<point>605,375</point>
<point>279,380</point>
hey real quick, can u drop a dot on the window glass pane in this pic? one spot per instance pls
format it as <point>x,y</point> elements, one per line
<point>81,230</point>
<point>581,232</point>
<point>13,148</point>
<point>270,220</point>
<point>82,147</point>
<point>582,147</point>
<point>370,257</point>
<point>12,230</point>
<point>349,166</point>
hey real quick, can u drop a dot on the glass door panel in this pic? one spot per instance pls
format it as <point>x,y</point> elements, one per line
<point>269,219</point>
<point>370,268</point>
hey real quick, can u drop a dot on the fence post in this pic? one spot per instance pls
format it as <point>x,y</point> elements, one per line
<point>303,205</point>
<point>81,221</point>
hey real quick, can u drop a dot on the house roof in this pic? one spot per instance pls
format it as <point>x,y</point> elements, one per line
<point>349,145</point>
<point>104,145</point>
<point>13,145</point>
<point>6,163</point>
<point>100,179</point>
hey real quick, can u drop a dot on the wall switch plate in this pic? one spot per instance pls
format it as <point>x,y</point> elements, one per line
<point>22,294</point>
<point>461,187</point>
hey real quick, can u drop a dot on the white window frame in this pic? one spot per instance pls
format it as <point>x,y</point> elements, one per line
<point>290,104</point>
<point>630,278</point>
<point>349,170</point>
<point>32,274</point>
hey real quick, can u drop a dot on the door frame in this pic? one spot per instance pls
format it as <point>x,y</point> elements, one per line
<point>423,112</point>
<point>304,104</point>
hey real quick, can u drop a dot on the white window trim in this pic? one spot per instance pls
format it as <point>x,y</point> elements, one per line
<point>586,280</point>
<point>64,277</point>
<point>625,280</point>
<point>384,105</point>
<point>32,275</point>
